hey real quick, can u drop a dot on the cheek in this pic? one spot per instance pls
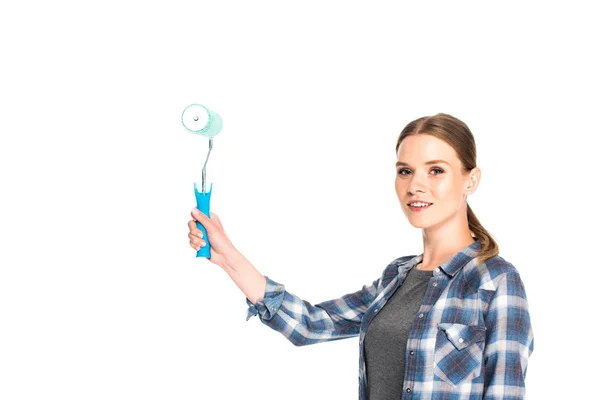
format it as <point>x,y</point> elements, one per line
<point>444,189</point>
<point>398,185</point>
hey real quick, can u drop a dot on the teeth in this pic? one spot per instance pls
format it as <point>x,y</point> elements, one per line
<point>419,204</point>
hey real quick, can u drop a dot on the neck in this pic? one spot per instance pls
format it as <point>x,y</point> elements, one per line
<point>444,240</point>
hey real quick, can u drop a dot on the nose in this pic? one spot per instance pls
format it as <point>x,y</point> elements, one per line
<point>416,185</point>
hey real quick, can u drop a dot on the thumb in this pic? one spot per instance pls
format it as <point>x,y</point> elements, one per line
<point>216,219</point>
<point>200,217</point>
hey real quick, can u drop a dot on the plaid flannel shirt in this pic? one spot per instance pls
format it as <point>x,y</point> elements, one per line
<point>471,338</point>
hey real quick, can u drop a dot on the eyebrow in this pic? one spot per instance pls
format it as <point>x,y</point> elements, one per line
<point>399,163</point>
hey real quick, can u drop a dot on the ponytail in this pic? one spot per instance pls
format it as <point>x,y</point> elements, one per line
<point>489,247</point>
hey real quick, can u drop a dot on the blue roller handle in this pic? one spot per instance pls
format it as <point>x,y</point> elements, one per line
<point>203,204</point>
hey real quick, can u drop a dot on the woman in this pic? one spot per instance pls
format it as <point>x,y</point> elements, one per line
<point>450,323</point>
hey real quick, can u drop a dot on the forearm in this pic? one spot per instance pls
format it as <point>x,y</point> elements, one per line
<point>245,276</point>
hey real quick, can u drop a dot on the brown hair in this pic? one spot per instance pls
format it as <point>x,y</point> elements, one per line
<point>457,134</point>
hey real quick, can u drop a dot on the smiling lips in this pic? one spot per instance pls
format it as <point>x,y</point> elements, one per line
<point>419,206</point>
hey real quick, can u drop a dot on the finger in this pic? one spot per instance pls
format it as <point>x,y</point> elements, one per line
<point>194,229</point>
<point>196,240</point>
<point>203,219</point>
<point>195,232</point>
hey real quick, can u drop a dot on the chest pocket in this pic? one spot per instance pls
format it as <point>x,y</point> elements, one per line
<point>458,352</point>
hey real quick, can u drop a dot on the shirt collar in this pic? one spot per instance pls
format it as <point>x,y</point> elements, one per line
<point>453,264</point>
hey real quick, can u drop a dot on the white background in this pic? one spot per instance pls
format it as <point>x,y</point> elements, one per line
<point>102,297</point>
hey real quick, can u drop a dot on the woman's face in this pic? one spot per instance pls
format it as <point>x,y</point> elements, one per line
<point>441,183</point>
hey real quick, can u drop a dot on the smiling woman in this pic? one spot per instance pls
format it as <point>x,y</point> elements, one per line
<point>451,322</point>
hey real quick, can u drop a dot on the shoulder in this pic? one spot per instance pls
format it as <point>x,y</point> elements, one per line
<point>497,266</point>
<point>491,273</point>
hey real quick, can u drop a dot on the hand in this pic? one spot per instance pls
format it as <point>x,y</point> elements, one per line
<point>220,245</point>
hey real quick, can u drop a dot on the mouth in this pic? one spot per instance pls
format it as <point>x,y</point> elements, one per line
<point>419,208</point>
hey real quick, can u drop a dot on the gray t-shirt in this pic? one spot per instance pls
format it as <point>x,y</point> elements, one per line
<point>386,337</point>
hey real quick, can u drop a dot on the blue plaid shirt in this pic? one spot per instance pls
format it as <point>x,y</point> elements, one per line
<point>471,338</point>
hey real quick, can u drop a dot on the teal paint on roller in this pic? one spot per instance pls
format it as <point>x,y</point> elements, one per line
<point>200,120</point>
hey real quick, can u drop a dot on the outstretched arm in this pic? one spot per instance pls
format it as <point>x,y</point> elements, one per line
<point>298,320</point>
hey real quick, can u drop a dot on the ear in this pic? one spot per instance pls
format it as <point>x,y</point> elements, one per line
<point>473,181</point>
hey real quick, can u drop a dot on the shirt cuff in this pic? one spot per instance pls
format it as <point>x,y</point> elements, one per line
<point>268,306</point>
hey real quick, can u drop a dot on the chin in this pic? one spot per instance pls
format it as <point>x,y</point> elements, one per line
<point>419,222</point>
<point>416,222</point>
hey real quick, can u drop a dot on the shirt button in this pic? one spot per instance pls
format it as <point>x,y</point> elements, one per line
<point>377,309</point>
<point>421,315</point>
<point>408,390</point>
<point>434,284</point>
<point>273,308</point>
<point>412,353</point>
<point>460,340</point>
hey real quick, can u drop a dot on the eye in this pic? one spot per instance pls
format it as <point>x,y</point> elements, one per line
<point>441,171</point>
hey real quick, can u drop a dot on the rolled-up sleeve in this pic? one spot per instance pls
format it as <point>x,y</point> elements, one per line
<point>267,307</point>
